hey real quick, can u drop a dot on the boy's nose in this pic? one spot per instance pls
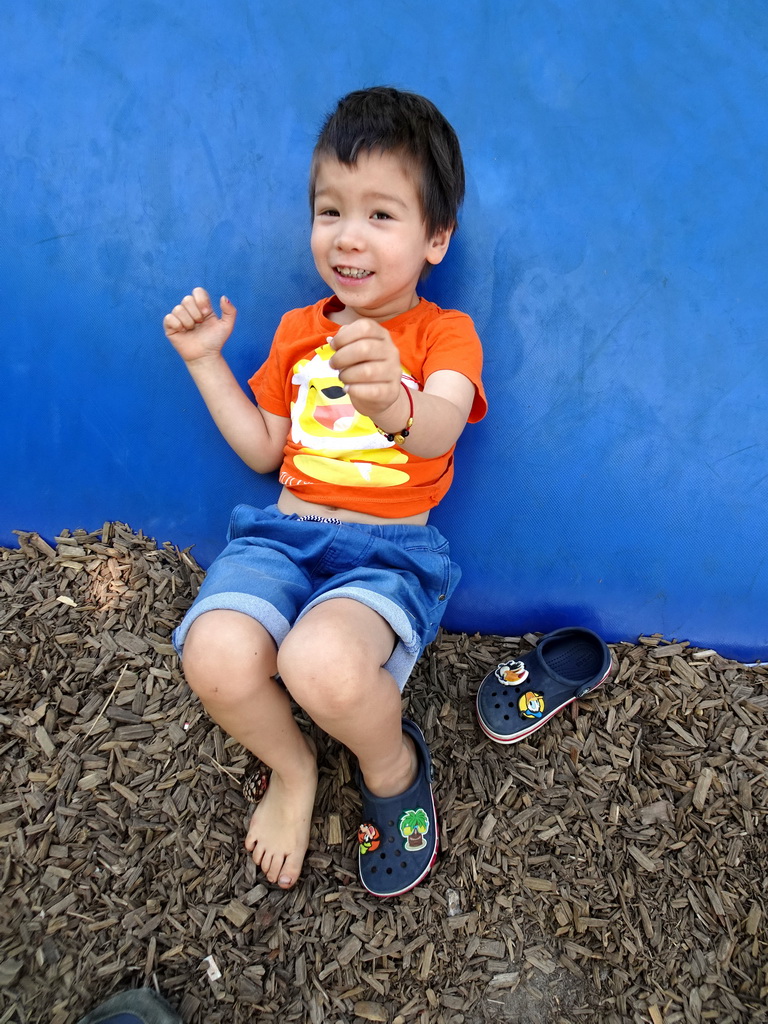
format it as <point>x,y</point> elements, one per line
<point>348,236</point>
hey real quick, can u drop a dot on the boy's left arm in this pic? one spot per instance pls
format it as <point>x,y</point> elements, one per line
<point>368,363</point>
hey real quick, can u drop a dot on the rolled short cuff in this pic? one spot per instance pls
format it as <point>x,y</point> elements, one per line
<point>270,618</point>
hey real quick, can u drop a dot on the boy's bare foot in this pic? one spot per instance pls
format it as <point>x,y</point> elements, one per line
<point>398,776</point>
<point>278,834</point>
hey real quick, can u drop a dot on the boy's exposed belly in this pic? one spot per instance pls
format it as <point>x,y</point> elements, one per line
<point>290,504</point>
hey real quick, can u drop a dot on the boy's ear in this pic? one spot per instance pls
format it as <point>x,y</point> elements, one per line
<point>438,246</point>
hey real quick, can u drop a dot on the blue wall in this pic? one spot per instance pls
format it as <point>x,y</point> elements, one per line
<point>612,253</point>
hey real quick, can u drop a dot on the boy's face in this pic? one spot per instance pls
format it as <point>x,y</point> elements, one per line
<point>368,236</point>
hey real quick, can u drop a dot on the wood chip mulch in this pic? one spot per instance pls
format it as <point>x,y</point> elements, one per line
<point>612,868</point>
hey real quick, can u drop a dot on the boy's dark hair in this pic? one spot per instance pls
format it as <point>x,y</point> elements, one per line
<point>387,120</point>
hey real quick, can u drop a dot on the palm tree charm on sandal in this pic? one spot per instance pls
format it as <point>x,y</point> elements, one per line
<point>413,827</point>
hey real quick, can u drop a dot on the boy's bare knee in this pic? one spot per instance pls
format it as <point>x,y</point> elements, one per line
<point>227,656</point>
<point>303,652</point>
<point>323,681</point>
<point>327,696</point>
<point>330,658</point>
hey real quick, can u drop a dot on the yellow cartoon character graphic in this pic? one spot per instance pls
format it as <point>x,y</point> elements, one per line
<point>339,445</point>
<point>531,705</point>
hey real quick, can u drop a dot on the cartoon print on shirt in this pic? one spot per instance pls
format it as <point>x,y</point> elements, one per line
<point>339,445</point>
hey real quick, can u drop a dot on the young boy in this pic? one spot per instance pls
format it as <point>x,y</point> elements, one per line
<point>338,587</point>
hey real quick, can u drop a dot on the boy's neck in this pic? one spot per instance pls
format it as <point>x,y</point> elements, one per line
<point>348,314</point>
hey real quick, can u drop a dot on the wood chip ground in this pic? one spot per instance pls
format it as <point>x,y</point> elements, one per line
<point>612,868</point>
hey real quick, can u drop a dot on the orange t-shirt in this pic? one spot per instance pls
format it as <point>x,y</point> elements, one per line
<point>333,454</point>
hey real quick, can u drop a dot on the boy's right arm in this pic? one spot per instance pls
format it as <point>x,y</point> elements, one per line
<point>198,335</point>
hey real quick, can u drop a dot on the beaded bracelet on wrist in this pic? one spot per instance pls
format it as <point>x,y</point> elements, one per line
<point>399,436</point>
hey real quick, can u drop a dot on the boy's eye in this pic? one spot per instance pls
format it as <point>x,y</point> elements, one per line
<point>328,213</point>
<point>380,215</point>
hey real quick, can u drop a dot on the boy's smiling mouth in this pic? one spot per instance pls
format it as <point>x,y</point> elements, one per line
<point>355,273</point>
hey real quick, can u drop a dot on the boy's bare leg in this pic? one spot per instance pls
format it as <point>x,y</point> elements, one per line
<point>229,661</point>
<point>331,661</point>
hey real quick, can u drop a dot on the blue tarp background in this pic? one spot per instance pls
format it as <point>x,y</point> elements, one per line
<point>612,252</point>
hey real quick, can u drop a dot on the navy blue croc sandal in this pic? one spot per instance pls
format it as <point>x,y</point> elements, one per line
<point>138,1006</point>
<point>520,695</point>
<point>397,842</point>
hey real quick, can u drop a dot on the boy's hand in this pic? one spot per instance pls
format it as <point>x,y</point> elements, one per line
<point>193,328</point>
<point>368,363</point>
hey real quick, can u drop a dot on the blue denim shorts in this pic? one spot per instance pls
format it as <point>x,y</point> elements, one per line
<point>276,567</point>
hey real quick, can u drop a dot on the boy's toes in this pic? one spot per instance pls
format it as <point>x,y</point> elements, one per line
<point>278,873</point>
<point>260,857</point>
<point>279,869</point>
<point>290,871</point>
<point>271,868</point>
